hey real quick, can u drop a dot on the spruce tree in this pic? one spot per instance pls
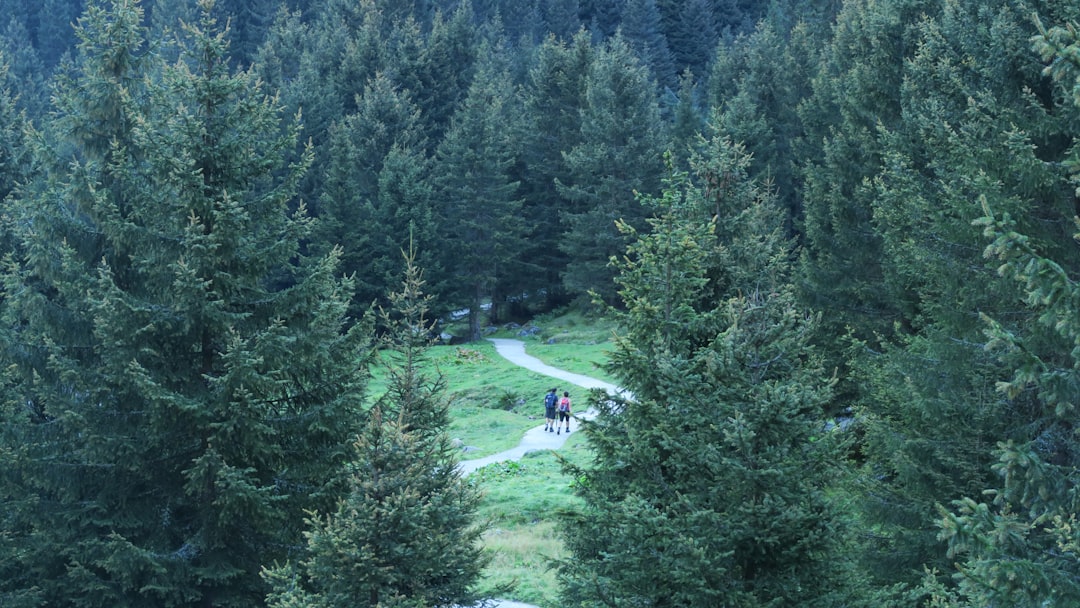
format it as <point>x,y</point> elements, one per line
<point>249,22</point>
<point>523,23</point>
<point>26,75</point>
<point>553,96</point>
<point>641,27</point>
<point>1016,542</point>
<point>856,90</point>
<point>602,17</point>
<point>54,34</point>
<point>694,37</point>
<point>180,389</point>
<point>450,58</point>
<point>688,124</point>
<point>711,486</point>
<point>354,213</point>
<point>762,80</point>
<point>930,414</point>
<point>856,94</point>
<point>319,61</point>
<point>480,198</point>
<point>619,154</point>
<point>561,17</point>
<point>15,157</point>
<point>405,535</point>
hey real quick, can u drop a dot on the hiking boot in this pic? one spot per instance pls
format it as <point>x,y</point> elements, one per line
<point>558,431</point>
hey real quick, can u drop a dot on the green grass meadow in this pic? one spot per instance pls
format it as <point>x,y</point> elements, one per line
<point>493,403</point>
<point>523,503</point>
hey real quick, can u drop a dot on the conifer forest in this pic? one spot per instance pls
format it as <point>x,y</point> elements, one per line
<point>839,238</point>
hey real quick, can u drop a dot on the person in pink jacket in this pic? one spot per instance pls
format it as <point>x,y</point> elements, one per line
<point>564,413</point>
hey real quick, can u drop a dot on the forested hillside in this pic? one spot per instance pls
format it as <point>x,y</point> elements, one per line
<point>840,238</point>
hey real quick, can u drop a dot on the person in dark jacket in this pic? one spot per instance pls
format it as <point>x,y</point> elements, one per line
<point>550,401</point>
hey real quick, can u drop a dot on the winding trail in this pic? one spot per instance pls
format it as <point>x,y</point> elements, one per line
<point>535,438</point>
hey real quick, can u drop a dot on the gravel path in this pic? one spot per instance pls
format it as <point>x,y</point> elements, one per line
<point>535,438</point>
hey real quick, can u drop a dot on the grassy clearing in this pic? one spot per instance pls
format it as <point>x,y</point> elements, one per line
<point>493,403</point>
<point>523,557</point>
<point>570,341</point>
<point>523,501</point>
<point>578,358</point>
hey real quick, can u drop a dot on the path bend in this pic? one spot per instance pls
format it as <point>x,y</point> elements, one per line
<point>535,438</point>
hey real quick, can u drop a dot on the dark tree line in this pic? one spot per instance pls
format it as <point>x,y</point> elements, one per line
<point>807,215</point>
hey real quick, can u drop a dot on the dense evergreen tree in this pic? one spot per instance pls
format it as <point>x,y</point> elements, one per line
<point>711,485</point>
<point>622,141</point>
<point>164,18</point>
<point>15,161</point>
<point>301,59</point>
<point>25,77</point>
<point>641,30</point>
<point>553,97</point>
<point>857,88</point>
<point>249,22</point>
<point>405,535</point>
<point>602,17</point>
<point>1015,542</point>
<point>479,201</point>
<point>179,388</point>
<point>815,15</point>
<point>278,61</point>
<point>19,11</point>
<point>561,17</point>
<point>354,214</point>
<point>855,92</point>
<point>688,124</point>
<point>54,34</point>
<point>1016,546</point>
<point>408,207</point>
<point>967,96</point>
<point>757,85</point>
<point>449,59</point>
<point>693,37</point>
<point>523,23</point>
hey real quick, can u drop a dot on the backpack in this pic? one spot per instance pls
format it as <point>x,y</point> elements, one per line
<point>549,400</point>
<point>564,405</point>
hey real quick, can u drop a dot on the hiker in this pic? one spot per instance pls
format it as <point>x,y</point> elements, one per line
<point>550,401</point>
<point>564,413</point>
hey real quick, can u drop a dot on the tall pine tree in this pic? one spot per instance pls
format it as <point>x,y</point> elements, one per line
<point>619,154</point>
<point>180,389</point>
<point>405,535</point>
<point>479,197</point>
<point>976,123</point>
<point>376,182</point>
<point>1016,544</point>
<point>711,487</point>
<point>553,96</point>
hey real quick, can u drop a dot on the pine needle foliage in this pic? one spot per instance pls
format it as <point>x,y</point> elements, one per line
<point>711,486</point>
<point>1017,546</point>
<point>180,383</point>
<point>405,535</point>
